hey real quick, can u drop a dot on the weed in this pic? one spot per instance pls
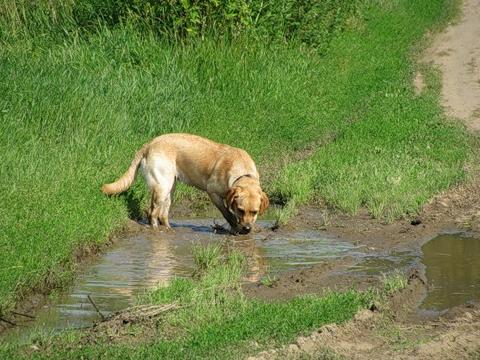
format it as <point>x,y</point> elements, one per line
<point>206,257</point>
<point>269,280</point>
<point>394,282</point>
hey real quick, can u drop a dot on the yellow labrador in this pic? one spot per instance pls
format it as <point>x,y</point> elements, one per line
<point>227,174</point>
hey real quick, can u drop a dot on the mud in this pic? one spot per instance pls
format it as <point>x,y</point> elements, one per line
<point>137,324</point>
<point>391,333</point>
<point>360,272</point>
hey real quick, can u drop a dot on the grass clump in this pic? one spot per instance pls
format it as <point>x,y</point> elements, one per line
<point>206,257</point>
<point>394,282</point>
<point>269,280</point>
<point>210,296</point>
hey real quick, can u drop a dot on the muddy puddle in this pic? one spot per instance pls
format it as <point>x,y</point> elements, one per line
<point>452,269</point>
<point>385,263</point>
<point>148,258</point>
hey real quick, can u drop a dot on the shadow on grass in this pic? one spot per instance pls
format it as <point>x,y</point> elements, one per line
<point>134,207</point>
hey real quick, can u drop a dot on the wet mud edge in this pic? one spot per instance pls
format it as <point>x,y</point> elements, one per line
<point>375,333</point>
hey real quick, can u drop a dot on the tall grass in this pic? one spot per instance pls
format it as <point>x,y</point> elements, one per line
<point>311,22</point>
<point>74,108</point>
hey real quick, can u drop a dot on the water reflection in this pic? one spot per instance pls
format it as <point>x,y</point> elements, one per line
<point>453,271</point>
<point>150,258</point>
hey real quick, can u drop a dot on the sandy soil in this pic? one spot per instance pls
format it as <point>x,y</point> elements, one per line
<point>457,53</point>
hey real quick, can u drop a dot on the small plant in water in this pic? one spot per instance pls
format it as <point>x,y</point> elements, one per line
<point>269,280</point>
<point>394,282</point>
<point>206,257</point>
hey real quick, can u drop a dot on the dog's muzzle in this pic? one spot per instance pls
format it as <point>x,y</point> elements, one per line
<point>246,229</point>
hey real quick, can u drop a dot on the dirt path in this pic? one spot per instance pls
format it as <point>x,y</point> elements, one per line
<point>457,52</point>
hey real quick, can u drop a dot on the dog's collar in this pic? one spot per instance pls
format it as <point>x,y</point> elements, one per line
<point>242,176</point>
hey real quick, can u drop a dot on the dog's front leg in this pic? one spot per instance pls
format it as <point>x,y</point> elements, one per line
<point>232,220</point>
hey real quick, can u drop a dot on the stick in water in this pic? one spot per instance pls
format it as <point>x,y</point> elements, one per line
<point>95,307</point>
<point>25,315</point>
<point>8,321</point>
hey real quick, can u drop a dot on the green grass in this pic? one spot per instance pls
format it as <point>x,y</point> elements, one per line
<point>394,282</point>
<point>74,110</point>
<point>214,320</point>
<point>398,150</point>
<point>206,257</point>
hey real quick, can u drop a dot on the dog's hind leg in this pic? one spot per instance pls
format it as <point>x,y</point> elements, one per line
<point>160,181</point>
<point>160,203</point>
<point>159,206</point>
<point>154,209</point>
<point>163,215</point>
<point>166,206</point>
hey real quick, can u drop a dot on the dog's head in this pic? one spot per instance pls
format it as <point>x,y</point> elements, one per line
<point>246,202</point>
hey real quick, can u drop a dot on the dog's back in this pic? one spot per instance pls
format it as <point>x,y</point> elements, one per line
<point>190,158</point>
<point>198,161</point>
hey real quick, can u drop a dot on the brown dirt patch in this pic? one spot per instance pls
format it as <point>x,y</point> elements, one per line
<point>326,276</point>
<point>458,208</point>
<point>456,52</point>
<point>391,334</point>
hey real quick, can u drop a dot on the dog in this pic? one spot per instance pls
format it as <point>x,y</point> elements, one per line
<point>227,174</point>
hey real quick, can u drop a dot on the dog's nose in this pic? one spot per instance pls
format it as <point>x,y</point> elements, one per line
<point>247,228</point>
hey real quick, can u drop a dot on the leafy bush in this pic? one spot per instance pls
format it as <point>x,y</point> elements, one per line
<point>312,22</point>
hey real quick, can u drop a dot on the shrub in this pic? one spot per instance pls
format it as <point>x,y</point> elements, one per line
<point>312,22</point>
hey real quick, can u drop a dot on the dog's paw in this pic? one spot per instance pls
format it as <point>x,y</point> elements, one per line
<point>220,229</point>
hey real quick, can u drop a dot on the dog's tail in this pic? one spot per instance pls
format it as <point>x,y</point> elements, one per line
<point>126,180</point>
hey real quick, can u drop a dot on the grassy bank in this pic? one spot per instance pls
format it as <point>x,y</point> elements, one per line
<point>211,319</point>
<point>393,155</point>
<point>75,105</point>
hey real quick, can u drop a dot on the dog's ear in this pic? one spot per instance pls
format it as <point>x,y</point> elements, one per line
<point>231,194</point>
<point>264,204</point>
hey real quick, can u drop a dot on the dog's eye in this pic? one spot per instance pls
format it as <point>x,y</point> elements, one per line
<point>254,213</point>
<point>241,211</point>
